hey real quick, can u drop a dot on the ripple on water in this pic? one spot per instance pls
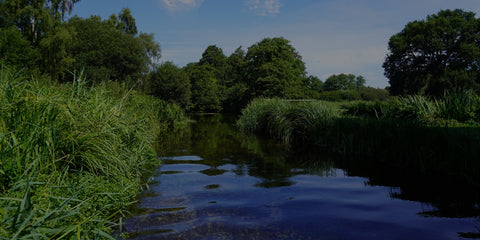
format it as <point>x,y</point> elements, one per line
<point>182,158</point>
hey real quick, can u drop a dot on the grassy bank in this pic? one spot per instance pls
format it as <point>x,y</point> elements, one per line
<point>407,139</point>
<point>72,156</point>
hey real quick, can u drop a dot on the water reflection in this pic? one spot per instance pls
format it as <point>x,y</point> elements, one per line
<point>216,183</point>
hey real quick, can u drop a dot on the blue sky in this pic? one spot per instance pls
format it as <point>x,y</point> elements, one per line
<point>341,36</point>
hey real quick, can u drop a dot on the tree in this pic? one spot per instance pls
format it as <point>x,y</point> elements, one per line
<point>170,83</point>
<point>152,48</point>
<point>35,18</point>
<point>106,52</point>
<point>274,69</point>
<point>343,82</point>
<point>206,96</point>
<point>213,56</point>
<point>16,50</point>
<point>236,93</point>
<point>432,55</point>
<point>313,87</point>
<point>127,21</point>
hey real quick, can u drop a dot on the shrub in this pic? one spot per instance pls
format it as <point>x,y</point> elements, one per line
<point>373,94</point>
<point>340,95</point>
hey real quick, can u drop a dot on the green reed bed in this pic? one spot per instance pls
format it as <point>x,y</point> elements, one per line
<point>287,121</point>
<point>405,136</point>
<point>455,108</point>
<point>72,156</point>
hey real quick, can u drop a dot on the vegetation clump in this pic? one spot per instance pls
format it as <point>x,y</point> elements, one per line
<point>408,133</point>
<point>72,156</point>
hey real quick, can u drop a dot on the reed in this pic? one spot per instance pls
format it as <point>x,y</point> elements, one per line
<point>395,133</point>
<point>287,121</point>
<point>72,155</point>
<point>455,108</point>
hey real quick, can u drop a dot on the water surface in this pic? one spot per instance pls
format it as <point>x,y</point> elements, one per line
<point>215,183</point>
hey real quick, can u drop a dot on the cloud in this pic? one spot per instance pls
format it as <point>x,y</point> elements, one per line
<point>180,5</point>
<point>264,7</point>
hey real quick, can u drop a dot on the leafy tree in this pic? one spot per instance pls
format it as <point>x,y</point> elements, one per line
<point>206,96</point>
<point>127,21</point>
<point>108,53</point>
<point>56,59</point>
<point>40,22</point>
<point>34,18</point>
<point>170,83</point>
<point>236,64</point>
<point>214,57</point>
<point>236,93</point>
<point>16,50</point>
<point>151,47</point>
<point>432,55</point>
<point>313,86</point>
<point>343,82</point>
<point>274,69</point>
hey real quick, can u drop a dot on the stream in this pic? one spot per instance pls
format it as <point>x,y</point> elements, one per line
<point>217,183</point>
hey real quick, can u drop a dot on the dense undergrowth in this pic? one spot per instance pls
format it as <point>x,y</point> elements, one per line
<point>413,134</point>
<point>72,155</point>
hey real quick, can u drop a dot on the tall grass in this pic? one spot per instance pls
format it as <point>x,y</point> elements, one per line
<point>398,135</point>
<point>287,121</point>
<point>72,156</point>
<point>456,106</point>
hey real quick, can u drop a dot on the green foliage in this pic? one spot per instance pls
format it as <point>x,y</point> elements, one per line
<point>72,157</point>
<point>401,143</point>
<point>213,56</point>
<point>287,121</point>
<point>373,94</point>
<point>274,69</point>
<point>340,95</point>
<point>106,52</point>
<point>127,22</point>
<point>45,39</point>
<point>206,94</point>
<point>54,48</point>
<point>170,83</point>
<point>151,47</point>
<point>455,106</point>
<point>434,55</point>
<point>313,87</point>
<point>15,50</point>
<point>460,105</point>
<point>343,82</point>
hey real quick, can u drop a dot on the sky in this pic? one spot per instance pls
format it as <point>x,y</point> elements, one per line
<point>332,36</point>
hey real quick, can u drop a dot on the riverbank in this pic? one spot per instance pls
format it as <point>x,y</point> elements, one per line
<point>419,144</point>
<point>72,155</point>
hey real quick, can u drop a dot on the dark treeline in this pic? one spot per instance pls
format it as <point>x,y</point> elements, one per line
<point>427,57</point>
<point>269,68</point>
<point>35,35</point>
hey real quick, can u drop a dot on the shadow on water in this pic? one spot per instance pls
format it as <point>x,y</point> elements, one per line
<point>212,147</point>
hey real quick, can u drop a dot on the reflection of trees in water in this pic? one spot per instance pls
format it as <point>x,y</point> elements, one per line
<point>213,137</point>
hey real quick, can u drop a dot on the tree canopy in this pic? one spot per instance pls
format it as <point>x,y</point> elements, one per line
<point>432,55</point>
<point>343,82</point>
<point>105,51</point>
<point>274,69</point>
<point>170,83</point>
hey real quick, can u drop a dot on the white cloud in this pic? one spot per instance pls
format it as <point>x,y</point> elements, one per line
<point>264,7</point>
<point>180,5</point>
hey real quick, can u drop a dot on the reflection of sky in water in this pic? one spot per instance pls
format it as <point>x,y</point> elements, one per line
<point>224,190</point>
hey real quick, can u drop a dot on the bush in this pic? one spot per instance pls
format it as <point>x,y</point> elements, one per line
<point>340,95</point>
<point>373,94</point>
